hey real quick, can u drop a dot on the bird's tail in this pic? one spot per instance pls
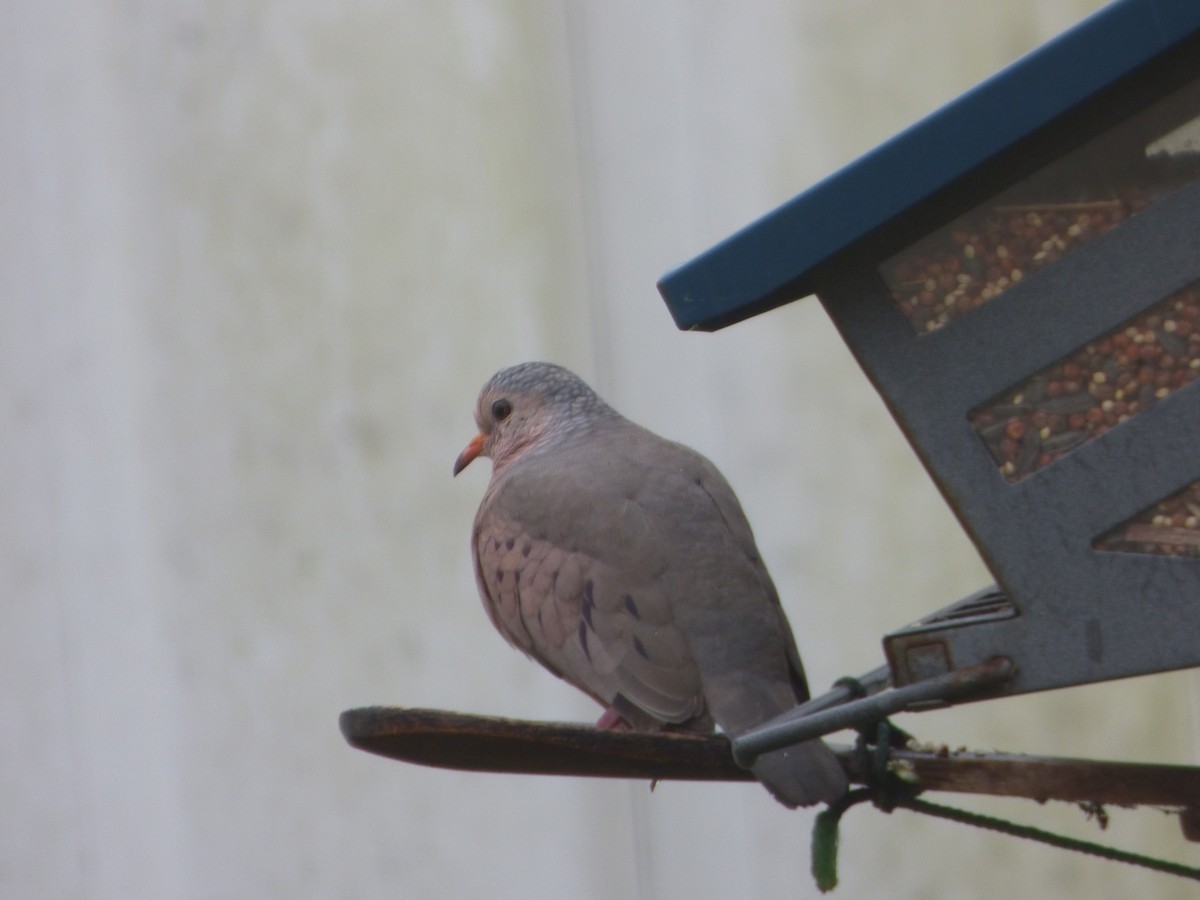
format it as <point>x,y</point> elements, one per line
<point>802,775</point>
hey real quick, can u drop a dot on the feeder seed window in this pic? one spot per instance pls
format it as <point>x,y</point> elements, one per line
<point>1039,220</point>
<point>1102,384</point>
<point>1169,527</point>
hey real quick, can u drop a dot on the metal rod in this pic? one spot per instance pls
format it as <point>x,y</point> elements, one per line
<point>795,727</point>
<point>871,683</point>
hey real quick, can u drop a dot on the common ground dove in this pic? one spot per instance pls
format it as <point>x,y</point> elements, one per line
<point>623,563</point>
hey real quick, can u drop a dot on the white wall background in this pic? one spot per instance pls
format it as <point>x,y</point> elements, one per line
<point>258,258</point>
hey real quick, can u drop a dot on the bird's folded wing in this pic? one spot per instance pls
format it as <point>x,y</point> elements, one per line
<point>608,629</point>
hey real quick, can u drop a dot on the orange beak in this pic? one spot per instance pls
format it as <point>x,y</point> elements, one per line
<point>472,450</point>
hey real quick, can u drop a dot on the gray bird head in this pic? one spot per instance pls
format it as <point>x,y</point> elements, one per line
<point>526,404</point>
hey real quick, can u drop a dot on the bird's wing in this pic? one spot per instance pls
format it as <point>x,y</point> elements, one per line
<point>718,491</point>
<point>575,577</point>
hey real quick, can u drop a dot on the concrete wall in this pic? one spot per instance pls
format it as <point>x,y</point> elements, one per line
<point>259,256</point>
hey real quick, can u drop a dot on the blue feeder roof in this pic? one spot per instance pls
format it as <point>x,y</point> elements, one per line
<point>780,257</point>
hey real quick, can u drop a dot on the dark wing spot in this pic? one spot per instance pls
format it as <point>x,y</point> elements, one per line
<point>516,576</point>
<point>496,543</point>
<point>509,543</point>
<point>638,646</point>
<point>583,641</point>
<point>589,601</point>
<point>632,607</point>
<point>499,576</point>
<point>526,549</point>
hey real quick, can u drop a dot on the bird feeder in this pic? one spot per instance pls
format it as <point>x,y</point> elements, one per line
<point>1019,277</point>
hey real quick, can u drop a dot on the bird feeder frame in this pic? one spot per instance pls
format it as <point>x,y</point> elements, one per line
<point>1019,277</point>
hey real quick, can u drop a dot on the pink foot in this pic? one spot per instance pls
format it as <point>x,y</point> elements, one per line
<point>612,721</point>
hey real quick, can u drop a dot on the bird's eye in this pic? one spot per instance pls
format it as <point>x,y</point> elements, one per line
<point>501,410</point>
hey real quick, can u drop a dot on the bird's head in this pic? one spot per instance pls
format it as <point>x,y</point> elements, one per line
<point>525,406</point>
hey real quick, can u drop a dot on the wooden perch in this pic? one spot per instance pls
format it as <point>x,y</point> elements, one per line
<point>452,740</point>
